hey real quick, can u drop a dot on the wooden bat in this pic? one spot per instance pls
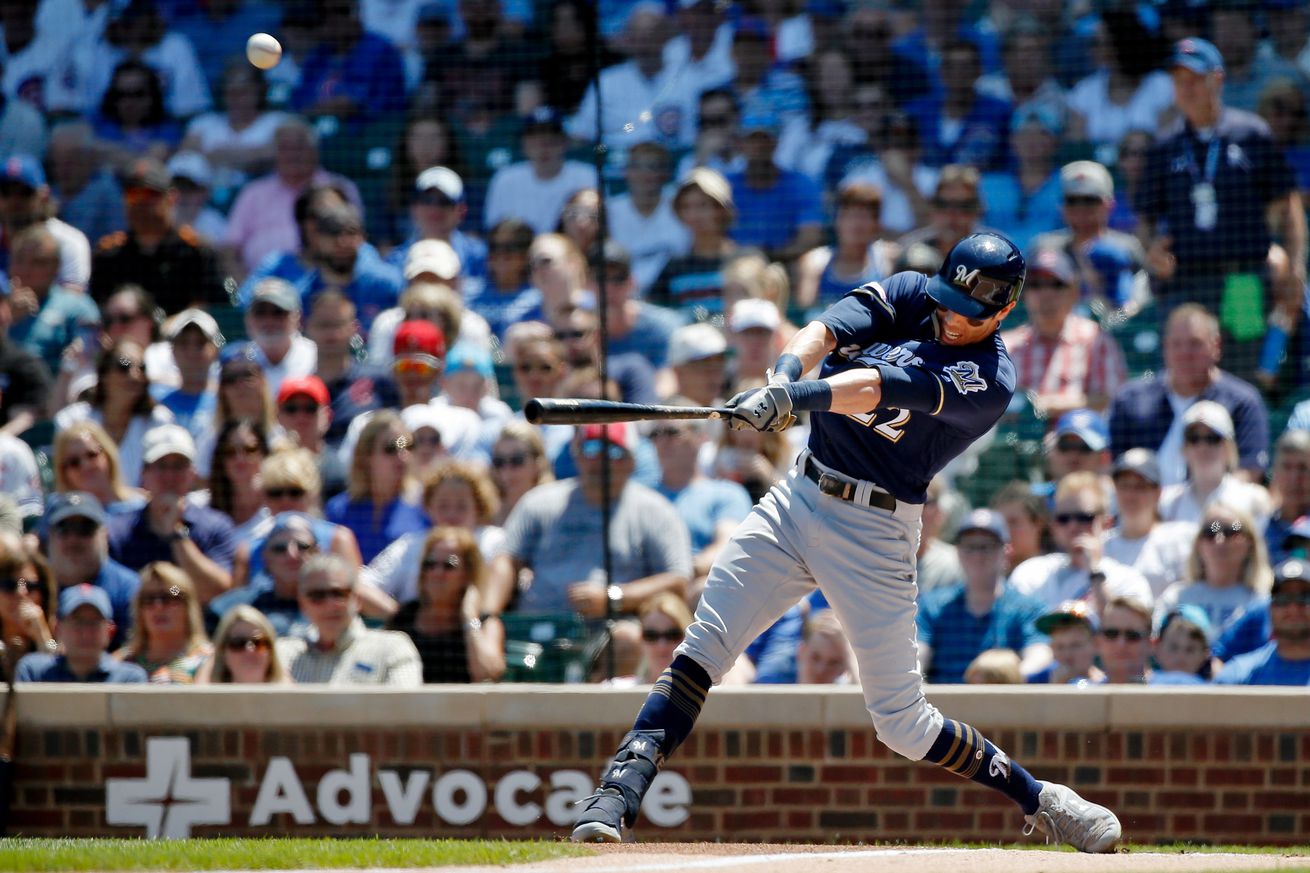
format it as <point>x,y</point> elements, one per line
<point>541,410</point>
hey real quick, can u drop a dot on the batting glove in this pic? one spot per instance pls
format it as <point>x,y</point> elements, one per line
<point>762,409</point>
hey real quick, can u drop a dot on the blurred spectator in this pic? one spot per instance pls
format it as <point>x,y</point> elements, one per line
<point>1078,442</point>
<point>85,628</point>
<point>469,382</point>
<point>896,61</point>
<point>193,179</point>
<point>962,125</point>
<point>753,333</point>
<point>764,85</point>
<point>337,648</point>
<point>1072,628</point>
<point>46,315</point>
<point>170,527</point>
<point>87,192</point>
<point>1026,516</point>
<point>273,323</point>
<point>244,651</point>
<point>487,68</point>
<point>354,387</point>
<point>196,341</point>
<point>956,209</point>
<point>565,69</point>
<point>215,27</point>
<point>641,219</point>
<point>425,143</point>
<point>754,460</point>
<point>693,283</point>
<point>633,325</point>
<point>1130,166</point>
<point>1284,660</point>
<point>535,190</point>
<point>167,259</point>
<point>129,314</point>
<point>1027,80</point>
<point>1140,539</point>
<point>428,297</point>
<point>825,274</point>
<point>937,562</point>
<point>1228,569</point>
<point>664,620</point>
<point>27,599</point>
<point>235,487</point>
<point>121,403</point>
<point>978,611</point>
<point>807,148</point>
<point>25,378</point>
<point>292,483</point>
<point>554,531</point>
<point>507,297</point>
<point>372,506</point>
<point>304,409</point>
<point>890,159</point>
<point>242,393</point>
<point>78,550</point>
<point>25,200</point>
<point>824,656</point>
<point>518,464</point>
<point>1110,264</point>
<point>702,44</point>
<point>132,120</point>
<point>1207,222</point>
<point>578,331</point>
<point>1024,200</point>
<point>1182,647</point>
<point>718,112</point>
<point>22,126</point>
<point>558,272</point>
<point>1289,487</point>
<point>262,220</point>
<point>752,277</point>
<point>350,74</point>
<point>698,356</point>
<point>1128,91</point>
<point>538,367</point>
<point>272,588</point>
<point>20,478</point>
<point>1147,412</point>
<point>1210,453</point>
<point>1247,71</point>
<point>1283,107</point>
<point>994,667</point>
<point>1062,361</point>
<point>437,209</point>
<point>454,642</point>
<point>1080,570</point>
<point>167,638</point>
<point>779,211</point>
<point>579,222</point>
<point>1123,644</point>
<point>85,458</point>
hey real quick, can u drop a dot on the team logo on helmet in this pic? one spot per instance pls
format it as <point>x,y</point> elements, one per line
<point>965,377</point>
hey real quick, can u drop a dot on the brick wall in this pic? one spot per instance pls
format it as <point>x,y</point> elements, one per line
<point>750,780</point>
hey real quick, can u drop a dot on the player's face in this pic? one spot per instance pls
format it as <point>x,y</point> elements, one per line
<point>1180,648</point>
<point>960,330</point>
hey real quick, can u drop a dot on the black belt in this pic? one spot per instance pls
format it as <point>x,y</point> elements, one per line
<point>844,487</point>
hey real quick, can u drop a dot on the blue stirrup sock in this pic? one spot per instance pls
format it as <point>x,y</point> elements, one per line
<point>674,703</point>
<point>964,751</point>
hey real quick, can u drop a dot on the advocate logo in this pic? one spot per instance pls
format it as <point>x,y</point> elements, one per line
<point>168,801</point>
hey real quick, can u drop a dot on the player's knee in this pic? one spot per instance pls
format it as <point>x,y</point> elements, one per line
<point>909,732</point>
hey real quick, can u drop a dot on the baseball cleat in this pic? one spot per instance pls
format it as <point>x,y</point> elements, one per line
<point>1065,817</point>
<point>601,820</point>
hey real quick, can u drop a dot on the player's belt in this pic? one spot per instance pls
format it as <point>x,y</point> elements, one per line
<point>845,488</point>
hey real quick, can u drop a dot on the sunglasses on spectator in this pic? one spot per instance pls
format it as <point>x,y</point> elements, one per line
<point>163,598</point>
<point>395,446</point>
<point>956,205</point>
<point>141,195</point>
<point>540,261</point>
<point>76,527</point>
<point>323,595</point>
<point>15,584</point>
<point>1083,200</point>
<point>413,367</point>
<point>434,198</point>
<point>1073,447</point>
<point>530,367</point>
<point>500,462</point>
<point>651,635</point>
<point>978,548</point>
<point>592,449</point>
<point>76,461</point>
<point>285,546</point>
<point>1130,636</point>
<point>301,408</point>
<point>231,377</point>
<point>714,121</point>
<point>268,310</point>
<point>1075,517</point>
<point>449,563</point>
<point>15,189</point>
<point>662,432</point>
<point>496,248</point>
<point>247,644</point>
<point>244,451</point>
<point>284,493</point>
<point>568,335</point>
<point>1289,599</point>
<point>113,319</point>
<point>1196,438</point>
<point>1213,530</point>
<point>429,440</point>
<point>127,365</point>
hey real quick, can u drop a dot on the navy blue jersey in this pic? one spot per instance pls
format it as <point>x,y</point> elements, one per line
<point>936,399</point>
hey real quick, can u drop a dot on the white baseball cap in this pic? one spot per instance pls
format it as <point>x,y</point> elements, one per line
<point>1211,415</point>
<point>695,342</point>
<point>165,440</point>
<point>432,256</point>
<point>1086,179</point>
<point>442,179</point>
<point>193,166</point>
<point>754,313</point>
<point>186,318</point>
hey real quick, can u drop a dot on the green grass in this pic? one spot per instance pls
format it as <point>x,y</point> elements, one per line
<point>266,853</point>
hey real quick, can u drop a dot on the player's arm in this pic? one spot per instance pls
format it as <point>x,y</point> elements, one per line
<point>803,352</point>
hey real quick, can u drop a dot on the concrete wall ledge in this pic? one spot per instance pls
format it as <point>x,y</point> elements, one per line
<point>515,707</point>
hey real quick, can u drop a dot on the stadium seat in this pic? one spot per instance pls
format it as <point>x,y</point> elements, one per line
<point>546,647</point>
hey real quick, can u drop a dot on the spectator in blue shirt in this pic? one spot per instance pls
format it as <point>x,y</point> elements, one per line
<point>778,210</point>
<point>1289,527</point>
<point>196,340</point>
<point>350,73</point>
<point>1025,201</point>
<point>1285,660</point>
<point>47,315</point>
<point>86,626</point>
<point>437,208</point>
<point>958,622</point>
<point>78,550</point>
<point>507,296</point>
<point>961,125</point>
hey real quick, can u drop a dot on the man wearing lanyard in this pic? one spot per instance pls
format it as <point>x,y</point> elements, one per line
<point>1214,191</point>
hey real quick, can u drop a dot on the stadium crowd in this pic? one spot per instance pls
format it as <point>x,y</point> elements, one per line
<point>265,337</point>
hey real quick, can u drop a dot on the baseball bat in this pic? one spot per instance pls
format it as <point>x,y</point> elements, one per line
<point>542,410</point>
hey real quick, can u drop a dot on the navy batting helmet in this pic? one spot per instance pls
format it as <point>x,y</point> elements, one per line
<point>982,274</point>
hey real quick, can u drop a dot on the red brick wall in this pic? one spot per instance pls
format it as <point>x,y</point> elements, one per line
<point>1216,785</point>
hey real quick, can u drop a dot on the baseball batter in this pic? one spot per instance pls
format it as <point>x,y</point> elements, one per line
<point>913,372</point>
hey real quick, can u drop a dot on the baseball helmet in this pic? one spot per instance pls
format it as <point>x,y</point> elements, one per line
<point>982,274</point>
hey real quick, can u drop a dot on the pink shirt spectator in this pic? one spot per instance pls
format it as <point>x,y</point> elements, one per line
<point>262,220</point>
<point>1083,360</point>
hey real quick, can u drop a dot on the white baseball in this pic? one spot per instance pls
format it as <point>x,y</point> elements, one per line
<point>263,51</point>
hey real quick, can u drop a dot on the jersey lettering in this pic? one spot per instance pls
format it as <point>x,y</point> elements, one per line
<point>892,429</point>
<point>965,377</point>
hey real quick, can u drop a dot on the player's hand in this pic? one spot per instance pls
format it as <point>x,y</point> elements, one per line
<point>762,409</point>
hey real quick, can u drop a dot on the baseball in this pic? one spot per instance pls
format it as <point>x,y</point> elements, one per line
<point>263,51</point>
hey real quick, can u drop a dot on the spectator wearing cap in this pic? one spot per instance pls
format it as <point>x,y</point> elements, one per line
<point>304,409</point>
<point>1080,569</point>
<point>170,527</point>
<point>243,393</point>
<point>1062,361</point>
<point>1214,193</point>
<point>961,125</point>
<point>953,214</point>
<point>25,200</point>
<point>753,336</point>
<point>698,358</point>
<point>1285,659</point>
<point>77,547</point>
<point>535,190</point>
<point>824,274</point>
<point>419,354</point>
<point>1023,200</point>
<point>779,211</point>
<point>693,283</point>
<point>166,258</point>
<point>350,73</point>
<point>354,386</point>
<point>25,378</point>
<point>1077,443</point>
<point>84,633</point>
<point>196,342</point>
<point>1210,453</point>
<point>437,208</point>
<point>1289,486</point>
<point>1140,539</point>
<point>1181,647</point>
<point>193,179</point>
<point>469,382</point>
<point>1227,571</point>
<point>1110,263</point>
<point>1148,411</point>
<point>641,219</point>
<point>273,325</point>
<point>555,531</point>
<point>633,325</point>
<point>979,611</point>
<point>1071,628</point>
<point>45,314</point>
<point>1128,91</point>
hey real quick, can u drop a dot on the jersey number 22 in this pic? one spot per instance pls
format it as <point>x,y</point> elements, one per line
<point>892,428</point>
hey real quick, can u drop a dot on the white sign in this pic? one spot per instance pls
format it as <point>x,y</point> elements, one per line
<point>168,801</point>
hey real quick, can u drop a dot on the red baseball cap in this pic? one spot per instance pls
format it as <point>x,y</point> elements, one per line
<point>311,386</point>
<point>419,338</point>
<point>619,433</point>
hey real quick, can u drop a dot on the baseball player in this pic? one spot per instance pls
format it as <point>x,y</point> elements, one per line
<point>913,372</point>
